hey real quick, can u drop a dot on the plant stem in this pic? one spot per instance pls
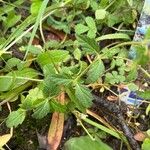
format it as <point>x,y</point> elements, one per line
<point>144,71</point>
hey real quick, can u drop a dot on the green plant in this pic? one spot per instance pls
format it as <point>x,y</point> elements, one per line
<point>72,66</point>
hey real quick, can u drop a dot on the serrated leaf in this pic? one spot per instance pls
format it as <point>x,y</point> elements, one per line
<point>50,88</point>
<point>61,79</point>
<point>91,26</point>
<point>84,95</point>
<point>80,28</point>
<point>95,72</point>
<point>17,78</point>
<point>132,75</point>
<point>113,36</point>
<point>75,103</point>
<point>109,53</point>
<point>91,34</point>
<point>91,23</point>
<point>77,53</point>
<point>42,109</point>
<point>89,45</point>
<point>34,95</point>
<point>114,77</point>
<point>53,56</point>
<point>58,107</point>
<point>85,143</point>
<point>15,118</point>
<point>100,14</point>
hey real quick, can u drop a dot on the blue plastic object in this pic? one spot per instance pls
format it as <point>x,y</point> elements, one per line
<point>129,97</point>
<point>143,25</point>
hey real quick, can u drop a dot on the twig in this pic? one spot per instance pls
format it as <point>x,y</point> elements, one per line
<point>113,108</point>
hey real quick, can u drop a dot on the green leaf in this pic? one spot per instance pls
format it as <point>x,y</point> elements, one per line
<point>100,14</point>
<point>12,62</point>
<point>53,56</point>
<point>89,45</point>
<point>113,19</point>
<point>119,62</point>
<point>61,79</point>
<point>50,88</point>
<point>42,109</point>
<point>34,9</point>
<point>15,118</point>
<point>109,53</point>
<point>114,77</point>
<point>77,54</point>
<point>16,78</point>
<point>144,95</point>
<point>91,34</point>
<point>142,56</point>
<point>56,106</point>
<point>147,110</point>
<point>132,75</point>
<point>74,103</point>
<point>113,36</point>
<point>11,20</point>
<point>92,27</point>
<point>146,144</point>
<point>96,71</point>
<point>60,25</point>
<point>132,86</point>
<point>85,143</point>
<point>91,23</point>
<point>34,95</point>
<point>80,28</point>
<point>84,95</point>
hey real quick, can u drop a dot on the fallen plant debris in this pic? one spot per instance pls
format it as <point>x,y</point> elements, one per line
<point>71,77</point>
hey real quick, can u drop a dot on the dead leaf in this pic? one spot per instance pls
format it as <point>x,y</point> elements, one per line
<point>4,139</point>
<point>112,98</point>
<point>140,136</point>
<point>56,127</point>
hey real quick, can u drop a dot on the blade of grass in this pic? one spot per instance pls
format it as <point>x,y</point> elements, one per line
<point>38,20</point>
<point>19,31</point>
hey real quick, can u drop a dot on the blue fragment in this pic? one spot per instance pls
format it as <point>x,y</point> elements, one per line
<point>142,30</point>
<point>142,27</point>
<point>130,97</point>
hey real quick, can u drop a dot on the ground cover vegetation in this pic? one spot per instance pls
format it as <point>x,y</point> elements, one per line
<point>61,65</point>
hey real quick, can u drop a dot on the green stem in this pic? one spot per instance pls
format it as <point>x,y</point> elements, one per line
<point>144,71</point>
<point>131,43</point>
<point>107,130</point>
